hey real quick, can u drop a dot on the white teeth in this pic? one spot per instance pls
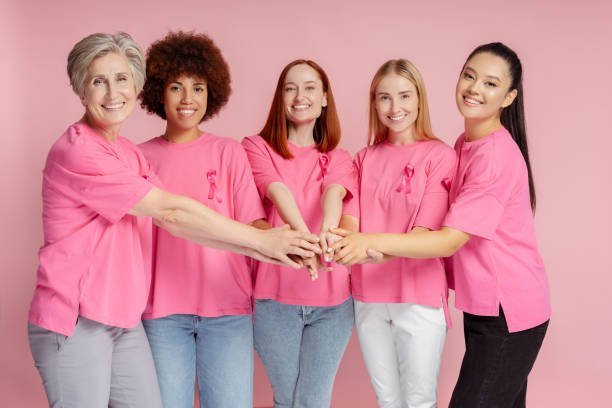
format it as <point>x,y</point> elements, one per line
<point>300,106</point>
<point>187,111</point>
<point>115,106</point>
<point>470,100</point>
<point>397,117</point>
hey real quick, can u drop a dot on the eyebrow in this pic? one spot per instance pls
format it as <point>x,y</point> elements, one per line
<point>306,82</point>
<point>195,83</point>
<point>487,76</point>
<point>400,92</point>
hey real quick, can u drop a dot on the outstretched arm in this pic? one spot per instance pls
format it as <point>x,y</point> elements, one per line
<point>415,244</point>
<point>192,220</point>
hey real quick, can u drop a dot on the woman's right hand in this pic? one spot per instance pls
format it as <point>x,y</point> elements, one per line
<point>278,243</point>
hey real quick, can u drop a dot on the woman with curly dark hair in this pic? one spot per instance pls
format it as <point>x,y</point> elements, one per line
<point>198,317</point>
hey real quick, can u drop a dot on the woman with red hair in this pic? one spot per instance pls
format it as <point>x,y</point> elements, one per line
<point>302,324</point>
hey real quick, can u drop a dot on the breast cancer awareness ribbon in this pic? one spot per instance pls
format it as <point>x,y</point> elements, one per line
<point>446,183</point>
<point>214,192</point>
<point>405,184</point>
<point>323,164</point>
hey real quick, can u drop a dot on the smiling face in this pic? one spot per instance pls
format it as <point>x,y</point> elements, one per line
<point>483,89</point>
<point>109,93</point>
<point>303,95</point>
<point>397,106</point>
<point>185,101</point>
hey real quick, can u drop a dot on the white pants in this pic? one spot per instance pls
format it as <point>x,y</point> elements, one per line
<point>402,345</point>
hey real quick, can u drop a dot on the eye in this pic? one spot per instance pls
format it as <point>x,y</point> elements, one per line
<point>122,78</point>
<point>290,89</point>
<point>98,81</point>
<point>383,98</point>
<point>467,75</point>
<point>406,96</point>
<point>491,84</point>
<point>199,89</point>
<point>310,88</point>
<point>175,88</point>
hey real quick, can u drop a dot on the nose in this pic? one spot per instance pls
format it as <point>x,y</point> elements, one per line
<point>394,104</point>
<point>473,87</point>
<point>187,96</point>
<point>111,89</point>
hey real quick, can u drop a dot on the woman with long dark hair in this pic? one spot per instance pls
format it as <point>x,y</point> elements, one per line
<point>497,273</point>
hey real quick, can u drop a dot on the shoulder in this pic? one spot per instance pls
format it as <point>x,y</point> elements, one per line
<point>77,145</point>
<point>153,142</point>
<point>438,148</point>
<point>254,141</point>
<point>339,154</point>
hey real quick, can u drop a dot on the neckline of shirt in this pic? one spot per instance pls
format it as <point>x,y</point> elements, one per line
<point>483,140</point>
<point>205,136</point>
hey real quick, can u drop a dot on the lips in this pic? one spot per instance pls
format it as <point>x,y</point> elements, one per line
<point>397,117</point>
<point>186,112</point>
<point>471,101</point>
<point>114,106</point>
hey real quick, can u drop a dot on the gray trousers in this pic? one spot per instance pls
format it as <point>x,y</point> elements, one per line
<point>98,367</point>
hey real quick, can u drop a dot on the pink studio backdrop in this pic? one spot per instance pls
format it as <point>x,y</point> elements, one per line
<point>567,60</point>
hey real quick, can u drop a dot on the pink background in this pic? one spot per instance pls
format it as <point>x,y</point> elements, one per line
<point>567,57</point>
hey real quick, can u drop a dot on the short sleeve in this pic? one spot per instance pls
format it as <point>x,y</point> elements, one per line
<point>476,209</point>
<point>434,205</point>
<point>95,176</point>
<point>264,172</point>
<point>341,171</point>
<point>352,205</point>
<point>248,206</point>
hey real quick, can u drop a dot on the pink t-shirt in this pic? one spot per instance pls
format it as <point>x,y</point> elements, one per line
<point>306,175</point>
<point>92,259</point>
<point>401,187</point>
<point>500,264</point>
<point>189,278</point>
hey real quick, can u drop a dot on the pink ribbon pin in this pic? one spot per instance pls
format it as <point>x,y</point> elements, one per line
<point>405,184</point>
<point>214,192</point>
<point>446,183</point>
<point>323,164</point>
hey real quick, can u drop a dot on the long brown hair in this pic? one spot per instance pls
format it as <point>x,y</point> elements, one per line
<point>377,131</point>
<point>327,126</point>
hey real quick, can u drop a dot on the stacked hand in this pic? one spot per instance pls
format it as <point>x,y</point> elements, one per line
<point>299,249</point>
<point>354,247</point>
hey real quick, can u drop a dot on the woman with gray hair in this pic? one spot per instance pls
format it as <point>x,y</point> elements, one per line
<point>99,196</point>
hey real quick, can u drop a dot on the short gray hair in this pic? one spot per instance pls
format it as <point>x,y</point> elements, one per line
<point>98,45</point>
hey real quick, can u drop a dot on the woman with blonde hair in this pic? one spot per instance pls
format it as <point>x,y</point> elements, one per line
<point>400,304</point>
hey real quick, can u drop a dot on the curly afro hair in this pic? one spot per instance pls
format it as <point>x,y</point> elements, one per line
<point>185,53</point>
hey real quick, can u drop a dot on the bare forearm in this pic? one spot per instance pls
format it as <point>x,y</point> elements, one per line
<point>286,206</point>
<point>331,204</point>
<point>192,220</point>
<point>420,243</point>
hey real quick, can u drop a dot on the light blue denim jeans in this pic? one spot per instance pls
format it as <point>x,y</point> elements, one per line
<point>220,349</point>
<point>301,348</point>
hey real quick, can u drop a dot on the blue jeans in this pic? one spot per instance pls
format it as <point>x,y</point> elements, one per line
<point>301,348</point>
<point>220,348</point>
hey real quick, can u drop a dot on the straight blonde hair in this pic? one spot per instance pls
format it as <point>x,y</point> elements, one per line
<point>377,131</point>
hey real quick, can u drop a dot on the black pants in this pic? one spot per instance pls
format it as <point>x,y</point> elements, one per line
<point>496,363</point>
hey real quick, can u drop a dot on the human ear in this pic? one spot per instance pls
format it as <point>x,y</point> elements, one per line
<point>510,96</point>
<point>324,102</point>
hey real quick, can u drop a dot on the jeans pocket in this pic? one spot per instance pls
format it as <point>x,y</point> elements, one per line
<point>61,340</point>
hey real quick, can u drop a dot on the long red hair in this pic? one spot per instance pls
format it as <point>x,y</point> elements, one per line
<point>327,126</point>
